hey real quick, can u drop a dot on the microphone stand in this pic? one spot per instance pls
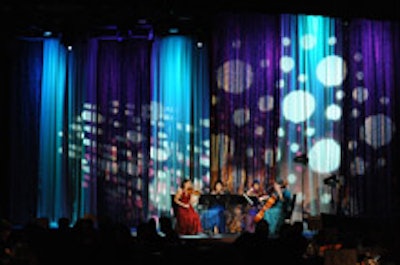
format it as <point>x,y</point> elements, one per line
<point>302,159</point>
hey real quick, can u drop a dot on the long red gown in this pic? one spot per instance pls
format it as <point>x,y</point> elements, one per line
<point>187,219</point>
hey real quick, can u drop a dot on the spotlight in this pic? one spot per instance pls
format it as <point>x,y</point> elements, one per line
<point>173,30</point>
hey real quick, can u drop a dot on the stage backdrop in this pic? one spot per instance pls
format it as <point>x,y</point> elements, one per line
<point>111,127</point>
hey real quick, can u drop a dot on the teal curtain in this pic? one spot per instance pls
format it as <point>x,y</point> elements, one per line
<point>179,119</point>
<point>81,130</point>
<point>311,87</point>
<point>51,193</point>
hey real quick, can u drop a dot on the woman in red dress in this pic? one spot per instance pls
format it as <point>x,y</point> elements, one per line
<point>187,219</point>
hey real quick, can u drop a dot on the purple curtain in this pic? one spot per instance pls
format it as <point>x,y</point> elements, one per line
<point>121,105</point>
<point>371,117</point>
<point>244,104</point>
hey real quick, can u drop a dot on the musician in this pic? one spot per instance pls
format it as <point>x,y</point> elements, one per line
<point>254,192</point>
<point>213,219</point>
<point>187,218</point>
<point>219,188</point>
<point>257,191</point>
<point>277,206</point>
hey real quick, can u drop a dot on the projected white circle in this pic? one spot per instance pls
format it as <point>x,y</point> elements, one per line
<point>378,130</point>
<point>281,132</point>
<point>286,41</point>
<point>310,131</point>
<point>134,137</point>
<point>234,76</point>
<point>159,154</point>
<point>331,71</point>
<point>291,178</point>
<point>339,94</point>
<point>384,100</point>
<point>333,112</point>
<point>308,41</point>
<point>205,161</point>
<point>294,147</point>
<point>360,94</point>
<point>298,106</point>
<point>241,117</point>
<point>269,157</point>
<point>357,167</point>
<point>324,156</point>
<point>266,103</point>
<point>332,40</point>
<point>286,64</point>
<point>259,130</point>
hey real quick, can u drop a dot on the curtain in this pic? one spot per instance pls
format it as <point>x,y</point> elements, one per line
<point>118,132</point>
<point>371,118</point>
<point>87,115</point>
<point>111,127</point>
<point>245,99</point>
<point>310,88</point>
<point>51,193</point>
<point>179,119</point>
<point>24,92</point>
<point>81,134</point>
<point>311,84</point>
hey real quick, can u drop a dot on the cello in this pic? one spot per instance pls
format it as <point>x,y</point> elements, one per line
<point>274,195</point>
<point>268,204</point>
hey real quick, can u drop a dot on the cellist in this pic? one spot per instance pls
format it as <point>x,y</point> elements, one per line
<point>275,207</point>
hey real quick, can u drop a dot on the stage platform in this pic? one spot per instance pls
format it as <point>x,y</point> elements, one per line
<point>206,238</point>
<point>226,238</point>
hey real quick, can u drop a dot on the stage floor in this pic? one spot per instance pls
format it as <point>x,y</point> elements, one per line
<point>220,238</point>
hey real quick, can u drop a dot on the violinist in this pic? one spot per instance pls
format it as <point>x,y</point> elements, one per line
<point>187,218</point>
<point>255,191</point>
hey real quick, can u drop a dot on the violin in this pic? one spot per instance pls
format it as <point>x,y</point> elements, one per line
<point>193,191</point>
<point>194,200</point>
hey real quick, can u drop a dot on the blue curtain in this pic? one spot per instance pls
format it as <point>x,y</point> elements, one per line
<point>179,119</point>
<point>312,75</point>
<point>51,131</point>
<point>25,74</point>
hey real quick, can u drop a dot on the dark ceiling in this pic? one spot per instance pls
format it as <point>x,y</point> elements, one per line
<point>82,14</point>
